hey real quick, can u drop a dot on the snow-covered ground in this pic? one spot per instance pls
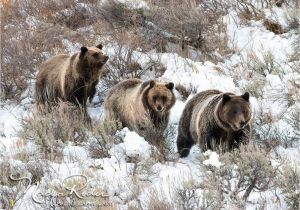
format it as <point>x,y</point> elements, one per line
<point>128,182</point>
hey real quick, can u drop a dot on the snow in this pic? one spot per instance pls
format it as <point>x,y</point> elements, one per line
<point>201,76</point>
<point>118,174</point>
<point>71,47</point>
<point>176,112</point>
<point>74,153</point>
<point>10,119</point>
<point>132,4</point>
<point>256,39</point>
<point>133,146</point>
<point>213,159</point>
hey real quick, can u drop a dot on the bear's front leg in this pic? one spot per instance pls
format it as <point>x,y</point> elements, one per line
<point>184,144</point>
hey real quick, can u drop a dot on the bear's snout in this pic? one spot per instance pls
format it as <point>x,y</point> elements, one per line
<point>160,108</point>
<point>243,124</point>
<point>105,58</point>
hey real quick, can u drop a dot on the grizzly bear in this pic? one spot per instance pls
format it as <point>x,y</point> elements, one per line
<point>139,105</point>
<point>214,120</point>
<point>70,78</point>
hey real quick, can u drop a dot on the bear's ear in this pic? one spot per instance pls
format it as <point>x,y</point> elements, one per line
<point>246,96</point>
<point>152,83</point>
<point>226,98</point>
<point>83,50</point>
<point>99,46</point>
<point>170,85</point>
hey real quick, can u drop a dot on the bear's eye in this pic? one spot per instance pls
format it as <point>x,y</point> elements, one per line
<point>154,98</point>
<point>96,55</point>
<point>164,98</point>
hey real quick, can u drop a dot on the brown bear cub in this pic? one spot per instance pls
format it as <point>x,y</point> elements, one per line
<point>70,78</point>
<point>214,119</point>
<point>139,105</point>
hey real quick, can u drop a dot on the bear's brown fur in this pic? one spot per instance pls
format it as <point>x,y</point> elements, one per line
<point>70,78</point>
<point>139,104</point>
<point>213,119</point>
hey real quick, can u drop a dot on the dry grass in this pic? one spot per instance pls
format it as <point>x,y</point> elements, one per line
<point>161,138</point>
<point>252,10</point>
<point>50,130</point>
<point>191,25</point>
<point>273,26</point>
<point>120,15</point>
<point>103,138</point>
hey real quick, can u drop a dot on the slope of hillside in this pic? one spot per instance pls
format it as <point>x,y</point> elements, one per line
<point>132,172</point>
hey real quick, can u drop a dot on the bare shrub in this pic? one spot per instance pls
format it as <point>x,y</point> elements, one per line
<point>77,15</point>
<point>248,9</point>
<point>292,3</point>
<point>190,23</point>
<point>187,196</point>
<point>273,26</point>
<point>8,169</point>
<point>122,66</point>
<point>289,183</point>
<point>296,50</point>
<point>242,172</point>
<point>103,138</point>
<point>264,64</point>
<point>11,188</point>
<point>270,136</point>
<point>13,170</point>
<point>293,19</point>
<point>161,138</point>
<point>133,23</point>
<point>37,169</point>
<point>293,119</point>
<point>157,200</point>
<point>120,15</point>
<point>255,171</point>
<point>144,171</point>
<point>292,94</point>
<point>267,136</point>
<point>254,87</point>
<point>212,193</point>
<point>50,130</point>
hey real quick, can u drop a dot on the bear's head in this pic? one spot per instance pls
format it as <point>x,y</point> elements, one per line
<point>92,59</point>
<point>160,97</point>
<point>235,111</point>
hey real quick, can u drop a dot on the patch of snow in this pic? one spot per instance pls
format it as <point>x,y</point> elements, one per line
<point>196,75</point>
<point>213,159</point>
<point>74,153</point>
<point>255,38</point>
<point>70,46</point>
<point>134,146</point>
<point>176,112</point>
